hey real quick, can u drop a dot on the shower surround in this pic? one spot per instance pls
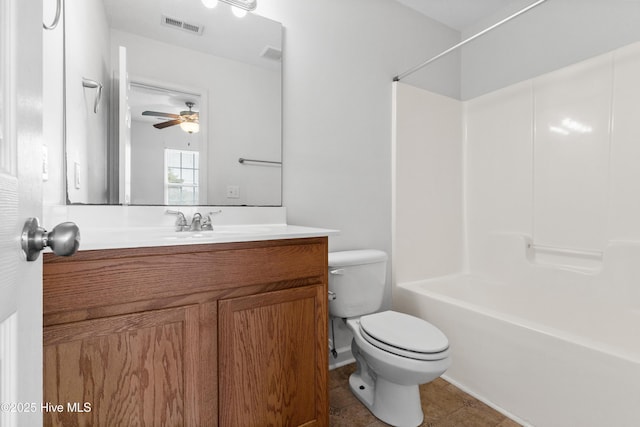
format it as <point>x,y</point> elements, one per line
<point>525,201</point>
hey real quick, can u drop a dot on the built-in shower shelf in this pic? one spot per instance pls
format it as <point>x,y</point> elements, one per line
<point>583,260</point>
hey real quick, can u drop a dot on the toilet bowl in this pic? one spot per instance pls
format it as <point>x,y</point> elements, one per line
<point>394,352</point>
<point>394,396</point>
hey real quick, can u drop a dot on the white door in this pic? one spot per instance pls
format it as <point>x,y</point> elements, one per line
<point>20,198</point>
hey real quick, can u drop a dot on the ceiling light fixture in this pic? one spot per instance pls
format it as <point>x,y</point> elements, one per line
<point>190,127</point>
<point>189,121</point>
<point>211,4</point>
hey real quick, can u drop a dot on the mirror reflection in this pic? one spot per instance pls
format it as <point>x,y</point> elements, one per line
<point>178,93</point>
<point>165,126</point>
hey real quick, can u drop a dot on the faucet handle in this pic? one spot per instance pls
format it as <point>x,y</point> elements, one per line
<point>181,221</point>
<point>207,223</point>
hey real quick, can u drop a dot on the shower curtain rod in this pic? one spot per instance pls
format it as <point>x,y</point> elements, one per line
<point>465,41</point>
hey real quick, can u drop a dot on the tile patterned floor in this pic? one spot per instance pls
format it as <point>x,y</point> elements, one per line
<point>443,404</point>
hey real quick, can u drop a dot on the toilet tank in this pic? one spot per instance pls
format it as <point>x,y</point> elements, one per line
<point>357,278</point>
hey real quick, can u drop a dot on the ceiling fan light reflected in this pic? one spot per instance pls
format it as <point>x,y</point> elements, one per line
<point>243,4</point>
<point>190,127</point>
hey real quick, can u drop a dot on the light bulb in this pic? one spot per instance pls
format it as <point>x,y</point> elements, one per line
<point>191,127</point>
<point>210,3</point>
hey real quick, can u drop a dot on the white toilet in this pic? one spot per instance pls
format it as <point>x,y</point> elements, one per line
<point>395,352</point>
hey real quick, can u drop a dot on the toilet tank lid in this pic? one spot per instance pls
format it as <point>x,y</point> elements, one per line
<point>356,257</point>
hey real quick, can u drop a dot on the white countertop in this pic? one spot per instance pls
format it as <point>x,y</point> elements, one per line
<point>134,237</point>
<point>115,227</point>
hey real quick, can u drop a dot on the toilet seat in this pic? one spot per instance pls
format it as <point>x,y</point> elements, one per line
<point>404,335</point>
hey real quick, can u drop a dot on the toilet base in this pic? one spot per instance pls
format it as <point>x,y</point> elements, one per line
<point>398,405</point>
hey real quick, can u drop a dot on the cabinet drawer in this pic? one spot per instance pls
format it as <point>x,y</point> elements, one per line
<point>94,279</point>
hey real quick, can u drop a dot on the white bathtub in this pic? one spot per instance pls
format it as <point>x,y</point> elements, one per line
<point>553,347</point>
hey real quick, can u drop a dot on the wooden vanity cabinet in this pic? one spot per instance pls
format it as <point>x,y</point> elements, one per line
<point>198,335</point>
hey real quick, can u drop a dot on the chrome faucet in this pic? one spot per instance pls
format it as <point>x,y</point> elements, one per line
<point>196,222</point>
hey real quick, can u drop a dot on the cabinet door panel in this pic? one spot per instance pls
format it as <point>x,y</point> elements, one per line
<point>133,370</point>
<point>272,356</point>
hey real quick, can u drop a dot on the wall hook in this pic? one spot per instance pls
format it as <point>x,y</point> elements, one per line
<point>54,24</point>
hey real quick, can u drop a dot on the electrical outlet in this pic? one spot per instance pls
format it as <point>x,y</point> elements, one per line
<point>233,192</point>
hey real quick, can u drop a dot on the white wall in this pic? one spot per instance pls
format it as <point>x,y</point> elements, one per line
<point>551,36</point>
<point>88,56</point>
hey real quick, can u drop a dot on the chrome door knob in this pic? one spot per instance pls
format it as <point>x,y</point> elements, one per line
<point>63,240</point>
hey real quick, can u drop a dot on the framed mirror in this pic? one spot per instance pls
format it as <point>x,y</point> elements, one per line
<point>170,103</point>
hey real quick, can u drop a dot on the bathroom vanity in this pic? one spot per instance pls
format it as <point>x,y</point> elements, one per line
<point>228,334</point>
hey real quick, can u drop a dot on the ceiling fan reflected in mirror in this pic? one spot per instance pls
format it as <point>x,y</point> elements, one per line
<point>189,121</point>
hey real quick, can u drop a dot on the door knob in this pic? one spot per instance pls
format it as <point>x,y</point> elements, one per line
<point>63,240</point>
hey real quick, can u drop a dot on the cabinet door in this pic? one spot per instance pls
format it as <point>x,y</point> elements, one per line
<point>273,359</point>
<point>132,370</point>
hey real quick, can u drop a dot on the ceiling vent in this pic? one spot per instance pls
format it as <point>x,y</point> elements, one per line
<point>182,25</point>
